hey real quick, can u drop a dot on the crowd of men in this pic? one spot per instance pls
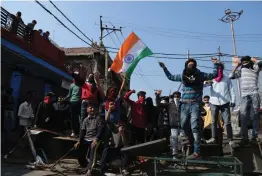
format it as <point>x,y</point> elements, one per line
<point>97,118</point>
<point>27,33</point>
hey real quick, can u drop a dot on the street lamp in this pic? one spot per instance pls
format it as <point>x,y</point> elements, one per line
<point>230,17</point>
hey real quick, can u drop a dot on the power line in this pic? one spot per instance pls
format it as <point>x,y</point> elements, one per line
<point>111,37</point>
<point>62,23</point>
<point>176,35</point>
<point>70,21</point>
<point>185,31</point>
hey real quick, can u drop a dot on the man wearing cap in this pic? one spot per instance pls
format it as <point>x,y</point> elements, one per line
<point>138,116</point>
<point>90,136</point>
<point>193,79</point>
<point>250,100</point>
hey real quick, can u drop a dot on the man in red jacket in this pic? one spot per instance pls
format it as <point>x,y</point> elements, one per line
<point>138,117</point>
<point>91,92</point>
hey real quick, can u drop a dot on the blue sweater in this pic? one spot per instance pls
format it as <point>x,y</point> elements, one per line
<point>192,93</point>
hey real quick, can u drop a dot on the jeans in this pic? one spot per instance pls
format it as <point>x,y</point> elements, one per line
<point>83,111</point>
<point>249,108</point>
<point>190,116</point>
<point>174,139</point>
<point>226,116</point>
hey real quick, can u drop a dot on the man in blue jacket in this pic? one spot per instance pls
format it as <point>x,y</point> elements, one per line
<point>192,79</point>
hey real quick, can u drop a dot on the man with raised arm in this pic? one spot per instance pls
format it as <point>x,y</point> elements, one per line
<point>222,98</point>
<point>192,79</point>
<point>250,100</point>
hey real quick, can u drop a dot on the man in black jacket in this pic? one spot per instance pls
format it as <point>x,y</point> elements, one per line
<point>90,135</point>
<point>152,117</point>
<point>170,111</point>
<point>163,118</point>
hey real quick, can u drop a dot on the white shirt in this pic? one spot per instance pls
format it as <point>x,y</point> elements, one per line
<point>222,92</point>
<point>25,111</point>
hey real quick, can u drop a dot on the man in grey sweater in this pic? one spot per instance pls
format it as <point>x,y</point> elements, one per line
<point>250,100</point>
<point>90,137</point>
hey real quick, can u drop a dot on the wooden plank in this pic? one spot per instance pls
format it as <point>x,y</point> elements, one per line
<point>66,138</point>
<point>148,148</point>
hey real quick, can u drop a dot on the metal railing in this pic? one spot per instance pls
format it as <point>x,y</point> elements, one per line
<point>6,23</point>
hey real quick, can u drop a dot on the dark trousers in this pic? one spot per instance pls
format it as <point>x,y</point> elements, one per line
<point>111,153</point>
<point>75,116</point>
<point>226,116</point>
<point>84,149</point>
<point>163,132</point>
<point>137,135</point>
<point>151,133</point>
<point>207,134</point>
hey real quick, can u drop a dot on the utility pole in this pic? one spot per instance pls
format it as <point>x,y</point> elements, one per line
<point>231,17</point>
<point>110,30</point>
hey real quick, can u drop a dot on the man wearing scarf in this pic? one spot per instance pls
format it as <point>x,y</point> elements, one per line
<point>222,97</point>
<point>250,100</point>
<point>74,97</point>
<point>138,117</point>
<point>169,116</point>
<point>91,92</point>
<point>44,111</point>
<point>114,127</point>
<point>163,117</point>
<point>193,79</point>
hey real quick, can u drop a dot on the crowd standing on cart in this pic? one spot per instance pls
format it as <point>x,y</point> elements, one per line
<point>114,121</point>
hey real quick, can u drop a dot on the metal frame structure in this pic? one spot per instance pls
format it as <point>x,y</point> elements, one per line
<point>215,160</point>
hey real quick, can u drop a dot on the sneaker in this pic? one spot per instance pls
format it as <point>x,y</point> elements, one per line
<point>233,144</point>
<point>211,141</point>
<point>177,156</point>
<point>124,172</point>
<point>193,156</point>
<point>89,173</point>
<point>255,140</point>
<point>245,143</point>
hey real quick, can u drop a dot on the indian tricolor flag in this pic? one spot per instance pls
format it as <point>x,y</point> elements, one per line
<point>130,53</point>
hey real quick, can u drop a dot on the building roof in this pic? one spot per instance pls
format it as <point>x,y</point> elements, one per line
<point>79,51</point>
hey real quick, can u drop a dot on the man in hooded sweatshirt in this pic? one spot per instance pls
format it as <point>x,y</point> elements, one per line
<point>250,100</point>
<point>192,79</point>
